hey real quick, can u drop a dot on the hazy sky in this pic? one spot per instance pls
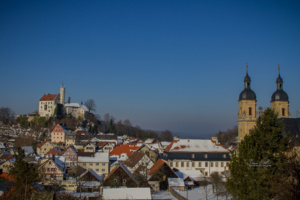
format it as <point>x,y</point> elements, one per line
<point>176,65</point>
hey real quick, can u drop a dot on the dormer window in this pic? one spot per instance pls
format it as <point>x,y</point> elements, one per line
<point>193,155</point>
<point>224,155</point>
<point>205,155</point>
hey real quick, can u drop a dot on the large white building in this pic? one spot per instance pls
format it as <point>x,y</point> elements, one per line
<point>76,110</point>
<point>207,155</point>
<point>47,104</point>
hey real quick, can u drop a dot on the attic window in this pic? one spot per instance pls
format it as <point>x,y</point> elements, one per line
<point>205,155</point>
<point>224,155</point>
<point>193,155</point>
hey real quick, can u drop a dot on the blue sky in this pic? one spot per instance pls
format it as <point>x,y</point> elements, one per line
<point>176,65</point>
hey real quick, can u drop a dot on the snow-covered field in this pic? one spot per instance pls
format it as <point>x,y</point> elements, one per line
<point>198,193</point>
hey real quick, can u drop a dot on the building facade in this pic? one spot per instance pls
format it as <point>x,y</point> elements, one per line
<point>247,114</point>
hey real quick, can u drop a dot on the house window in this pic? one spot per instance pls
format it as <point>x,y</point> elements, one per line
<point>193,164</point>
<point>222,164</point>
<point>205,173</point>
<point>103,170</point>
<point>176,164</point>
<point>211,164</point>
<point>97,170</point>
<point>84,164</point>
<point>205,155</point>
<point>206,164</point>
<point>224,155</point>
<point>171,164</point>
<point>217,164</point>
<point>97,164</point>
<point>182,164</point>
<point>193,155</point>
<point>250,111</point>
<point>103,164</point>
<point>283,112</point>
<point>91,164</point>
<point>199,164</point>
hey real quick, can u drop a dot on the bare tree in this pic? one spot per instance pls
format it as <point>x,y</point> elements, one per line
<point>217,183</point>
<point>205,188</point>
<point>6,115</point>
<point>166,135</point>
<point>90,104</point>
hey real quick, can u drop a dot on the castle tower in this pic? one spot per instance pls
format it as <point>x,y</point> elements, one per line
<point>247,115</point>
<point>280,99</point>
<point>62,94</point>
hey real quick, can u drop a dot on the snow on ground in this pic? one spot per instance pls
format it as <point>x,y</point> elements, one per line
<point>198,193</point>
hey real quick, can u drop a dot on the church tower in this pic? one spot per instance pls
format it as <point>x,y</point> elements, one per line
<point>280,99</point>
<point>247,115</point>
<point>62,94</point>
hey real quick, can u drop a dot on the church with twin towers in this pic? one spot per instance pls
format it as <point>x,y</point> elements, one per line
<point>247,115</point>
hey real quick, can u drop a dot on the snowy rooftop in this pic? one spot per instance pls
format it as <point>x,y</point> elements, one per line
<point>196,175</point>
<point>28,150</point>
<point>126,193</point>
<point>175,182</point>
<point>98,157</point>
<point>76,105</point>
<point>188,145</point>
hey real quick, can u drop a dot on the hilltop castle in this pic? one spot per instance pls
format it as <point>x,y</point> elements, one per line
<point>48,103</point>
<point>247,114</point>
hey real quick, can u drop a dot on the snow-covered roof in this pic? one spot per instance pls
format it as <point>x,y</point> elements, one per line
<point>28,150</point>
<point>195,145</point>
<point>195,175</point>
<point>175,182</point>
<point>126,193</point>
<point>75,105</point>
<point>84,108</point>
<point>98,157</point>
<point>60,161</point>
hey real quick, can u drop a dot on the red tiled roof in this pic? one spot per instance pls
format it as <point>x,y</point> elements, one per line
<point>170,146</point>
<point>48,97</point>
<point>41,144</point>
<point>126,148</point>
<point>7,176</point>
<point>157,165</point>
<point>53,152</point>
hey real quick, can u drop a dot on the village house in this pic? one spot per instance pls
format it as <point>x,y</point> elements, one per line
<point>70,139</point>
<point>158,175</point>
<point>43,148</point>
<point>90,147</point>
<point>99,162</point>
<point>58,134</point>
<point>6,165</point>
<point>138,160</point>
<point>207,155</point>
<point>105,146</point>
<point>52,170</point>
<point>89,181</point>
<point>70,155</point>
<point>53,152</point>
<point>120,176</point>
<point>122,152</point>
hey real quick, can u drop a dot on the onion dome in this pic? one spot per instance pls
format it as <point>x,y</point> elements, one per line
<point>279,94</point>
<point>247,93</point>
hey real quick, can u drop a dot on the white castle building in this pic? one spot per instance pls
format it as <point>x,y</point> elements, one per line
<point>48,103</point>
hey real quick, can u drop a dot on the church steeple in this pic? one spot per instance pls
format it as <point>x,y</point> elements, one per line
<point>247,108</point>
<point>280,99</point>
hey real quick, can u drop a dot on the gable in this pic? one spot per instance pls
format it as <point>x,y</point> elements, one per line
<point>48,97</point>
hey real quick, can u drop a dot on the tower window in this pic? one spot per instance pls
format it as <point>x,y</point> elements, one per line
<point>283,112</point>
<point>250,111</point>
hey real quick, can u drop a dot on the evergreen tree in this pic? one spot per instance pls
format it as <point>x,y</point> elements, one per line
<point>260,160</point>
<point>24,175</point>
